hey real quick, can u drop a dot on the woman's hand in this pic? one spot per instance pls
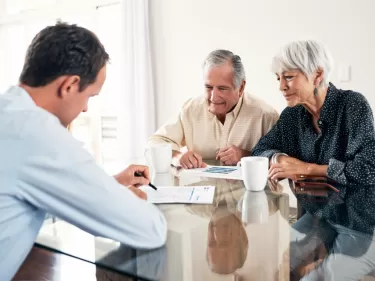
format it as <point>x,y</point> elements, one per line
<point>288,167</point>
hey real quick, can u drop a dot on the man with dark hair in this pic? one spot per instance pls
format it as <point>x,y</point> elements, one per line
<point>44,169</point>
<point>71,50</point>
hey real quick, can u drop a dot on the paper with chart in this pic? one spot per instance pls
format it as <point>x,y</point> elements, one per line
<point>223,172</point>
<point>180,194</point>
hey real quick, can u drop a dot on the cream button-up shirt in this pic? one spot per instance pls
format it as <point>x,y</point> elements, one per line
<point>200,131</point>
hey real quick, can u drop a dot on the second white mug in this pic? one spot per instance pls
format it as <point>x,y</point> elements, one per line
<point>160,157</point>
<point>254,171</point>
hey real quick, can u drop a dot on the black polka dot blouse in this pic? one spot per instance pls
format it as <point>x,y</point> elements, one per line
<point>346,144</point>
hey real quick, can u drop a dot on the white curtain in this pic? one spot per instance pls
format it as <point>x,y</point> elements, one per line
<point>137,110</point>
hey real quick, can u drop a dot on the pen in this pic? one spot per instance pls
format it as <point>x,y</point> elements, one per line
<point>150,184</point>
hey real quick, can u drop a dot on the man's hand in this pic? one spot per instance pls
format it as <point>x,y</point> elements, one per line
<point>191,160</point>
<point>128,178</point>
<point>141,194</point>
<point>231,155</point>
<point>288,167</point>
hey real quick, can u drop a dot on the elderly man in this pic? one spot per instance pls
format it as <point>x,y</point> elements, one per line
<point>225,124</point>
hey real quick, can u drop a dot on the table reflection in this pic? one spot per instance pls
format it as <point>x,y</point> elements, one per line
<point>227,243</point>
<point>242,235</point>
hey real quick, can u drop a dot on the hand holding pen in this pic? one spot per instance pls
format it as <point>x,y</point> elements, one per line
<point>128,176</point>
<point>150,184</point>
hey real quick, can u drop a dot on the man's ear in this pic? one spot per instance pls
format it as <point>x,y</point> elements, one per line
<point>69,86</point>
<point>242,87</point>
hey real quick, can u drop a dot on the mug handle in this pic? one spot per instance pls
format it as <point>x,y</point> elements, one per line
<point>239,164</point>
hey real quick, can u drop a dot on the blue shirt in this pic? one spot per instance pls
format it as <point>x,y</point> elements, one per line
<point>44,169</point>
<point>346,144</point>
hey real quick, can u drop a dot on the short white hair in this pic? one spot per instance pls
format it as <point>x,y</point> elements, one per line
<point>307,56</point>
<point>219,57</point>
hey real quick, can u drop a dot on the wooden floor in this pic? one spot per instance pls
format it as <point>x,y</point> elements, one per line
<point>43,265</point>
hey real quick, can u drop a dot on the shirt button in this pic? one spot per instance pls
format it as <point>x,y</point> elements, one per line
<point>320,122</point>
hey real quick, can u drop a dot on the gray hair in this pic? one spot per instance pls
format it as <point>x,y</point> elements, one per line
<point>219,57</point>
<point>307,56</point>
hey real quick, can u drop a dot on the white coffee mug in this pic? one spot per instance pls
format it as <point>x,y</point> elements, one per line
<point>253,207</point>
<point>254,171</point>
<point>160,157</point>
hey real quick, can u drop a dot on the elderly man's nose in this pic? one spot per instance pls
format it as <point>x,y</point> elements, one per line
<point>214,94</point>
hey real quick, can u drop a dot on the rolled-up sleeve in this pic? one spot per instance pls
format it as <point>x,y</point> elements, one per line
<point>61,178</point>
<point>359,167</point>
<point>171,132</point>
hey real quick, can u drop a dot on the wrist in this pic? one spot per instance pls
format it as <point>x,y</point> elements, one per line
<point>282,158</point>
<point>176,154</point>
<point>309,169</point>
<point>121,180</point>
<point>316,170</point>
<point>278,157</point>
<point>245,153</point>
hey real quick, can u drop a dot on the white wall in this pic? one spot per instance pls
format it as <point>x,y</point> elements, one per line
<point>184,32</point>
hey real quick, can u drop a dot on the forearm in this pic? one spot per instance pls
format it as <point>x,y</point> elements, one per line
<point>84,195</point>
<point>269,144</point>
<point>265,153</point>
<point>158,139</point>
<point>171,133</point>
<point>353,171</point>
<point>316,170</point>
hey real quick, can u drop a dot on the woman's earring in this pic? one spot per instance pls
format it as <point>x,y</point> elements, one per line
<point>315,91</point>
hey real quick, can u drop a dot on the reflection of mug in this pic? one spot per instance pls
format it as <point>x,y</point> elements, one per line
<point>253,207</point>
<point>162,179</point>
<point>254,172</point>
<point>160,157</point>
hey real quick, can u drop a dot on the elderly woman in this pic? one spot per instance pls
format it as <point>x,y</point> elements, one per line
<point>325,131</point>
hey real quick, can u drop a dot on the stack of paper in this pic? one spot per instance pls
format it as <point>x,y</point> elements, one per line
<point>180,194</point>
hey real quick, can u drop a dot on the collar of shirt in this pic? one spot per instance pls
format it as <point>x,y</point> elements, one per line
<point>22,95</point>
<point>326,114</point>
<point>237,108</point>
<point>25,101</point>
<point>235,111</point>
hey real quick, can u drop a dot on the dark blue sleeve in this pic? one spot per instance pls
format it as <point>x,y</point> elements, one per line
<point>281,138</point>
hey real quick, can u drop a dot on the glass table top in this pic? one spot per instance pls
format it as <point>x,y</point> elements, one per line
<point>243,235</point>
